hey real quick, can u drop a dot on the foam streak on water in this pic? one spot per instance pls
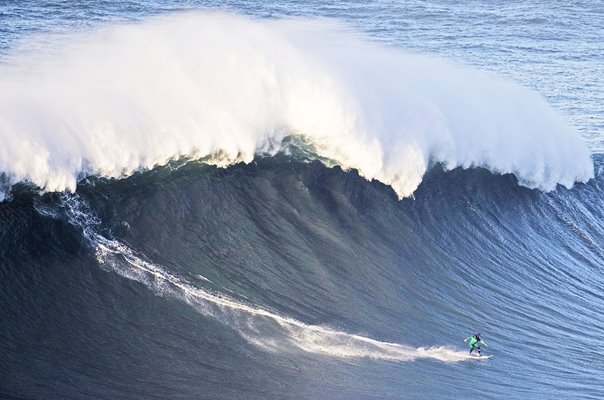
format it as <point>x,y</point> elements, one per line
<point>263,328</point>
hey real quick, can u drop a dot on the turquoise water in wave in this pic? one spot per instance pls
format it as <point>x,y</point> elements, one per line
<point>282,277</point>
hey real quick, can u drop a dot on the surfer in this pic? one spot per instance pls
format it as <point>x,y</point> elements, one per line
<point>474,342</point>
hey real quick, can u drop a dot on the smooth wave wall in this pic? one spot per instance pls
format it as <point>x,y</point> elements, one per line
<point>226,88</point>
<point>261,327</point>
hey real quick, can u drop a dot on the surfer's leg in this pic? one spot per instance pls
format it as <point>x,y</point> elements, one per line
<point>471,350</point>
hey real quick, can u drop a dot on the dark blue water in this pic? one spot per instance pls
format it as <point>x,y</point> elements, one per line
<point>286,278</point>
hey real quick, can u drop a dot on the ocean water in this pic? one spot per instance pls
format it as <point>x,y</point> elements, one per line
<point>306,200</point>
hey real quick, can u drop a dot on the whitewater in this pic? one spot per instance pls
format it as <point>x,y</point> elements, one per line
<point>224,88</point>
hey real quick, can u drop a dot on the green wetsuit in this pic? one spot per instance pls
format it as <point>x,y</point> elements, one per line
<point>473,342</point>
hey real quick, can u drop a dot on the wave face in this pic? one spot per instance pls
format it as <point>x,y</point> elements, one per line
<point>284,278</point>
<point>226,88</point>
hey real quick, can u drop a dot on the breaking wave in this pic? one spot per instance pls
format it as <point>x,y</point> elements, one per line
<point>225,88</point>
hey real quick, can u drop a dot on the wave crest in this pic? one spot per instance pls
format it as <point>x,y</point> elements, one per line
<point>200,84</point>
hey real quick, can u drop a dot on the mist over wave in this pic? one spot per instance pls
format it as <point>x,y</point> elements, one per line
<point>226,88</point>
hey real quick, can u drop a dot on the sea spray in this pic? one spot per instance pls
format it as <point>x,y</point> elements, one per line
<point>199,85</point>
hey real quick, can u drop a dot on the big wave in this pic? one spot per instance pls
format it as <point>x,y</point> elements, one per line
<point>225,88</point>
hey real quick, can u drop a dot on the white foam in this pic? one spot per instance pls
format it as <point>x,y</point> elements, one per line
<point>204,84</point>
